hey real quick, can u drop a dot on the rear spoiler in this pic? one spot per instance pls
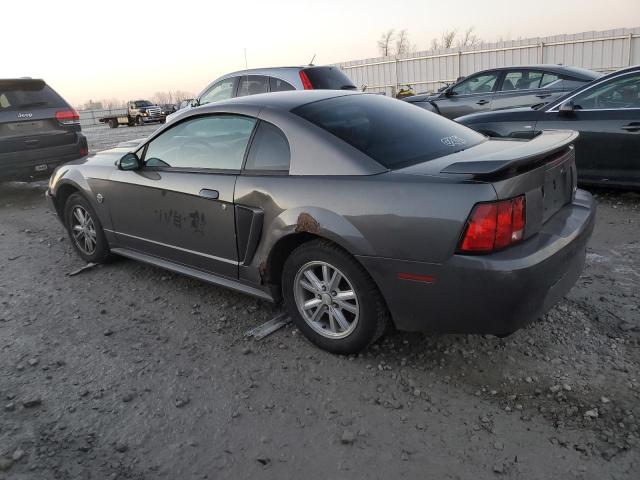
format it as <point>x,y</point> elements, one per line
<point>21,83</point>
<point>523,156</point>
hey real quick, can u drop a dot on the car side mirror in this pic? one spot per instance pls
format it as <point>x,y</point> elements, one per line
<point>567,108</point>
<point>449,93</point>
<point>195,103</point>
<point>129,162</point>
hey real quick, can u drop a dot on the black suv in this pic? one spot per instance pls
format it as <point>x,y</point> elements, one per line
<point>38,130</point>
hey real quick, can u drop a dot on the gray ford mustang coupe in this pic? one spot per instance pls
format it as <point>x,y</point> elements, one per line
<point>358,211</point>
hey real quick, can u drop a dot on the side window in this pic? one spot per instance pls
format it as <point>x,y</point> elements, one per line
<point>252,84</point>
<point>550,80</point>
<point>521,80</point>
<point>269,149</point>
<point>621,92</point>
<point>214,141</point>
<point>478,84</point>
<point>277,85</point>
<point>220,91</point>
<point>569,84</point>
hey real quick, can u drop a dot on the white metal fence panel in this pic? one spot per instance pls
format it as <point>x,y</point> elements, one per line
<point>91,117</point>
<point>602,51</point>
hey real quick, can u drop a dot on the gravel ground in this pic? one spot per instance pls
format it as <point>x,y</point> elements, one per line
<point>101,137</point>
<point>126,371</point>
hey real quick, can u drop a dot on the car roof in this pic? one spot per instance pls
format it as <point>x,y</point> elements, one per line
<point>580,73</point>
<point>269,71</point>
<point>16,82</point>
<point>285,101</point>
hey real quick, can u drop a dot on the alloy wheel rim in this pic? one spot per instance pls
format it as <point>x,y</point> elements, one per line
<point>83,230</point>
<point>326,299</point>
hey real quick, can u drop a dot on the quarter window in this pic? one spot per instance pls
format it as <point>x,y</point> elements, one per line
<point>252,85</point>
<point>521,80</point>
<point>549,80</point>
<point>569,84</point>
<point>277,85</point>
<point>269,149</point>
<point>220,91</point>
<point>478,84</point>
<point>622,92</point>
<point>213,142</point>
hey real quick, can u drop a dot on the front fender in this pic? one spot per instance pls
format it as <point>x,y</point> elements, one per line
<point>67,179</point>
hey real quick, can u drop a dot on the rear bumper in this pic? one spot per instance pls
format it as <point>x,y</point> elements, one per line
<point>34,164</point>
<point>497,293</point>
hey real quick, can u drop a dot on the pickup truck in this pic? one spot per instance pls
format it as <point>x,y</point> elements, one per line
<point>139,112</point>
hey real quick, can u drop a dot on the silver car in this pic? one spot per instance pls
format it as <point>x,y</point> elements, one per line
<point>357,210</point>
<point>264,80</point>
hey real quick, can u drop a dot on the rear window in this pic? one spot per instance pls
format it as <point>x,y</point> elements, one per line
<point>18,94</point>
<point>329,78</point>
<point>396,134</point>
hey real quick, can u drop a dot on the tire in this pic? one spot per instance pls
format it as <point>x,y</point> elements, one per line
<point>139,120</point>
<point>355,330</point>
<point>100,251</point>
<point>113,123</point>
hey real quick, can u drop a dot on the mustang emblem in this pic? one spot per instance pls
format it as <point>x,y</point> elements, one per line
<point>452,141</point>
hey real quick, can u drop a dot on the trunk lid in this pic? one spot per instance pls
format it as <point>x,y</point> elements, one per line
<point>542,169</point>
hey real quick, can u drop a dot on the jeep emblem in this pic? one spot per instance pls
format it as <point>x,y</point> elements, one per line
<point>25,115</point>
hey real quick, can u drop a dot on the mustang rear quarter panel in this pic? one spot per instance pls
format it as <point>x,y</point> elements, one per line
<point>388,215</point>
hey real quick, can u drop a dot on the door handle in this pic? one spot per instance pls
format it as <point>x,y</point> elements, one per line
<point>209,194</point>
<point>482,102</point>
<point>543,95</point>
<point>32,141</point>
<point>632,127</point>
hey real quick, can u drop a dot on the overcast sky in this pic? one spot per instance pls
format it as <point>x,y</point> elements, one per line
<point>133,48</point>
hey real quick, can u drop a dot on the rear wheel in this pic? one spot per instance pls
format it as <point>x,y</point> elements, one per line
<point>332,299</point>
<point>85,230</point>
<point>113,123</point>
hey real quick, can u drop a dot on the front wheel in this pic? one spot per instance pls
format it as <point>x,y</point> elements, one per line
<point>332,299</point>
<point>85,230</point>
<point>139,120</point>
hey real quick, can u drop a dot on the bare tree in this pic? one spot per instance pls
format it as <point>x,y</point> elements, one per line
<point>403,44</point>
<point>91,105</point>
<point>111,103</point>
<point>384,44</point>
<point>162,97</point>
<point>468,38</point>
<point>448,36</point>
<point>180,95</point>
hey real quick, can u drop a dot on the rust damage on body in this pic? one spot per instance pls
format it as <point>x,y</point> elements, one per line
<point>264,273</point>
<point>306,223</point>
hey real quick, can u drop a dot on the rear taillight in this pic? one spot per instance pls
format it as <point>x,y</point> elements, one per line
<point>494,226</point>
<point>84,151</point>
<point>68,117</point>
<point>306,83</point>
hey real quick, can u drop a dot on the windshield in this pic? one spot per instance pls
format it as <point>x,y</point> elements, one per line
<point>395,134</point>
<point>143,103</point>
